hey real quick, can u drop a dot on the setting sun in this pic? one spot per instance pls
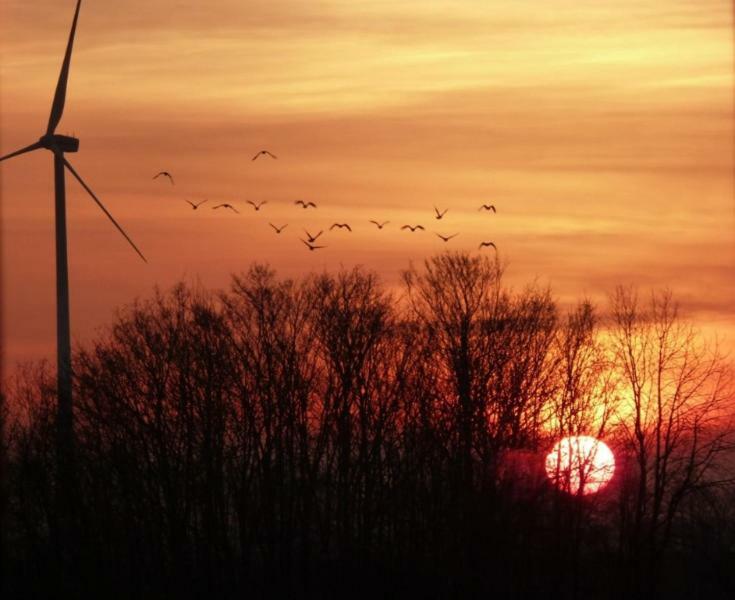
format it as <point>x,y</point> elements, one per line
<point>580,462</point>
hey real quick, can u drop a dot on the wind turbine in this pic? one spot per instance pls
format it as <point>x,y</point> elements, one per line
<point>59,145</point>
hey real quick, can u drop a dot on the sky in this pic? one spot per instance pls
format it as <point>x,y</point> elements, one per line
<point>602,131</point>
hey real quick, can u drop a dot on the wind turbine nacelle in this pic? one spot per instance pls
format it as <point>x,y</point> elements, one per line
<point>64,143</point>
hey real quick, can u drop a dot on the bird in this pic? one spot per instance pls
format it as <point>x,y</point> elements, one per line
<point>341,226</point>
<point>446,238</point>
<point>311,246</point>
<point>278,229</point>
<point>313,238</point>
<point>264,153</point>
<point>379,225</point>
<point>488,207</point>
<point>195,206</point>
<point>414,228</point>
<point>226,206</point>
<point>257,206</point>
<point>165,174</point>
<point>305,204</point>
<point>486,244</point>
<point>439,215</point>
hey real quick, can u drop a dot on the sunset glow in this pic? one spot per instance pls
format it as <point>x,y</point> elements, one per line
<point>296,296</point>
<point>602,131</point>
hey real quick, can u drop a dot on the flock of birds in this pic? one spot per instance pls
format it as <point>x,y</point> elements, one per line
<point>310,241</point>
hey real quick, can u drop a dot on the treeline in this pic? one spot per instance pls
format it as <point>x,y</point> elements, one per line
<point>324,438</point>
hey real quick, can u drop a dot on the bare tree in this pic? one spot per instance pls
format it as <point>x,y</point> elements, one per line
<point>289,437</point>
<point>579,414</point>
<point>276,454</point>
<point>585,394</point>
<point>453,300</point>
<point>672,422</point>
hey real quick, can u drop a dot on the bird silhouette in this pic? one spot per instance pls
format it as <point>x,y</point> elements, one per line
<point>164,174</point>
<point>486,244</point>
<point>264,153</point>
<point>488,207</point>
<point>312,247</point>
<point>379,225</point>
<point>226,206</point>
<point>341,226</point>
<point>305,204</point>
<point>257,206</point>
<point>278,229</point>
<point>413,228</point>
<point>313,238</point>
<point>195,206</point>
<point>446,238</point>
<point>439,214</point>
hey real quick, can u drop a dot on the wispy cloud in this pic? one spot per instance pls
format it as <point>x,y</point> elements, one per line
<point>603,132</point>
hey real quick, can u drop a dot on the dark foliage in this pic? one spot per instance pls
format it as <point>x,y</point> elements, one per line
<point>324,439</point>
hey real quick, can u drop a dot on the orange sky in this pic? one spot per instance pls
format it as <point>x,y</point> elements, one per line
<point>601,130</point>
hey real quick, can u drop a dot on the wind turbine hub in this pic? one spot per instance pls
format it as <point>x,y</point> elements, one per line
<point>62,143</point>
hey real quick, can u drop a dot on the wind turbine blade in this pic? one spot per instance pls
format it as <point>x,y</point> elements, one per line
<point>57,108</point>
<point>102,206</point>
<point>30,148</point>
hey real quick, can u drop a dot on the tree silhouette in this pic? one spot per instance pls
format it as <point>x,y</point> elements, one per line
<point>674,425</point>
<point>323,437</point>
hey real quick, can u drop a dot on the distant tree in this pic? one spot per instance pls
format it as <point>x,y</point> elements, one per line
<point>31,472</point>
<point>492,351</point>
<point>584,399</point>
<point>582,404</point>
<point>351,328</point>
<point>153,399</point>
<point>277,448</point>
<point>286,438</point>
<point>673,423</point>
<point>454,301</point>
<point>489,355</point>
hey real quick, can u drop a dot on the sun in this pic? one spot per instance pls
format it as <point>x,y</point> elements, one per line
<point>580,464</point>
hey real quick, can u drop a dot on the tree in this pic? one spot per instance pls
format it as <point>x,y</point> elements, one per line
<point>283,438</point>
<point>673,424</point>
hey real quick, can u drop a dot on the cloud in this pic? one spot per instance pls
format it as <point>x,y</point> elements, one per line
<point>603,132</point>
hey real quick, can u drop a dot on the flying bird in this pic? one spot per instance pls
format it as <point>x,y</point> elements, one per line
<point>313,238</point>
<point>312,247</point>
<point>486,244</point>
<point>488,207</point>
<point>197,205</point>
<point>264,153</point>
<point>379,225</point>
<point>226,206</point>
<point>439,215</point>
<point>164,174</point>
<point>446,238</point>
<point>414,228</point>
<point>305,204</point>
<point>278,229</point>
<point>257,206</point>
<point>341,226</point>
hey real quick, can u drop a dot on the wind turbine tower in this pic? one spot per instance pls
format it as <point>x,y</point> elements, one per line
<point>60,145</point>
